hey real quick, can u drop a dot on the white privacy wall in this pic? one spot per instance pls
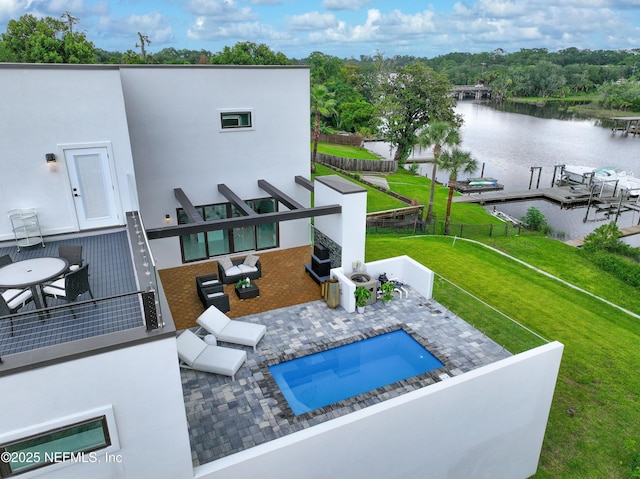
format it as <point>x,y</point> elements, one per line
<point>43,107</point>
<point>488,423</point>
<point>348,229</point>
<point>174,120</point>
<point>143,386</point>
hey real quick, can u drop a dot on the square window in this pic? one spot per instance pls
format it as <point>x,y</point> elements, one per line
<point>230,120</point>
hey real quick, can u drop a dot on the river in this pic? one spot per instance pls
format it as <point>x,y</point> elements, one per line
<point>508,143</point>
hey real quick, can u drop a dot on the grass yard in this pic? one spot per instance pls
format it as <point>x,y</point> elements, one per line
<point>597,398</point>
<point>345,151</point>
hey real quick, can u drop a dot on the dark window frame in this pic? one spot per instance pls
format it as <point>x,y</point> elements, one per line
<point>232,249</point>
<point>40,461</point>
<point>225,122</point>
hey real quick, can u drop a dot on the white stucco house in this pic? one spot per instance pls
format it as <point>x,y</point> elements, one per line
<point>211,161</point>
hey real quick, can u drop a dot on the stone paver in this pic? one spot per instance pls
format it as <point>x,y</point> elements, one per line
<point>228,416</point>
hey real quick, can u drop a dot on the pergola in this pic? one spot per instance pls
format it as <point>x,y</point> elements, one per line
<point>249,216</point>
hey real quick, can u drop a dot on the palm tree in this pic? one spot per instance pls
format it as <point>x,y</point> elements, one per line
<point>455,161</point>
<point>437,134</point>
<point>322,104</point>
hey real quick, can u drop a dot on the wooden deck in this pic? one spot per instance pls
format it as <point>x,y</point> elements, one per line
<point>565,196</point>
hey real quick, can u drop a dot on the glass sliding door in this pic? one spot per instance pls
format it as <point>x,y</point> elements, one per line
<point>193,245</point>
<point>267,234</point>
<point>217,241</point>
<point>244,237</point>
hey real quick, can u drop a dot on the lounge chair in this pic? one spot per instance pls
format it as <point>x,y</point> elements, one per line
<point>224,329</point>
<point>194,353</point>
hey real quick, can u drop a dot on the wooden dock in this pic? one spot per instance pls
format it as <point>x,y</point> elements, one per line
<point>565,196</point>
<point>626,124</point>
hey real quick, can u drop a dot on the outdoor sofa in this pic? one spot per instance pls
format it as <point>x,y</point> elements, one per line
<point>232,270</point>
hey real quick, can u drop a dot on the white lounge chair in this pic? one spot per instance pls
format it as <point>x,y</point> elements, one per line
<point>224,329</point>
<point>194,353</point>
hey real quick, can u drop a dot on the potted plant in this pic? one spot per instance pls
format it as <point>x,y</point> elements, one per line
<point>387,290</point>
<point>361,294</point>
<point>243,283</point>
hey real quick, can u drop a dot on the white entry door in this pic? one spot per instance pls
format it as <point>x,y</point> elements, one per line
<point>92,186</point>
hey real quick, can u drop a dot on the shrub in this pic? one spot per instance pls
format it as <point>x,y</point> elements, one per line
<point>622,268</point>
<point>535,220</point>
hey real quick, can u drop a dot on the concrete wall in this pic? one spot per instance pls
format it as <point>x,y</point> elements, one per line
<point>142,385</point>
<point>348,229</point>
<point>42,109</point>
<point>400,268</point>
<point>488,423</point>
<point>177,141</point>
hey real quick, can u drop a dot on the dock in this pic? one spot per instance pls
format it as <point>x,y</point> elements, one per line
<point>566,196</point>
<point>626,124</point>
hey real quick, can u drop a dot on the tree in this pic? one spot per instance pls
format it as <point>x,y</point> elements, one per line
<point>44,40</point>
<point>437,134</point>
<point>249,53</point>
<point>322,104</point>
<point>144,40</point>
<point>411,98</point>
<point>455,162</point>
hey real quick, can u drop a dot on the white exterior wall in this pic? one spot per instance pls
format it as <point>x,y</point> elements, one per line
<point>488,423</point>
<point>141,383</point>
<point>177,142</point>
<point>43,108</point>
<point>348,229</point>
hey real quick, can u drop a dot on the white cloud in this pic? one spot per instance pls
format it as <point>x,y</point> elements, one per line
<point>206,28</point>
<point>224,10</point>
<point>345,4</point>
<point>152,24</point>
<point>312,21</point>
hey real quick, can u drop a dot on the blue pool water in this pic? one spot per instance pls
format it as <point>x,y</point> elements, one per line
<point>330,376</point>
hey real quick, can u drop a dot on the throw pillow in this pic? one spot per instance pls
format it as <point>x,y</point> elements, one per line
<point>251,260</point>
<point>226,263</point>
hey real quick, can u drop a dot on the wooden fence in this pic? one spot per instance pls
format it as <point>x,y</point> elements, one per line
<point>352,164</point>
<point>350,140</point>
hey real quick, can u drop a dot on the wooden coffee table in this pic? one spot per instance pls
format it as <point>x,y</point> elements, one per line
<point>251,291</point>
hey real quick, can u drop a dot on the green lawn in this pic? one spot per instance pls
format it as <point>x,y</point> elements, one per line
<point>345,151</point>
<point>597,399</point>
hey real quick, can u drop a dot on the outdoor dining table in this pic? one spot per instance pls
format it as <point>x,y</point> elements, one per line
<point>31,273</point>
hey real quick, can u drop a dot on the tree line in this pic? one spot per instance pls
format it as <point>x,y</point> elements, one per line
<point>390,97</point>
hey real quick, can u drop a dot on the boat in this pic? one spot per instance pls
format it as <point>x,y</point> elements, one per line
<point>605,175</point>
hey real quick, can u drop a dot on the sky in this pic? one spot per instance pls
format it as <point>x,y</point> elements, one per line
<point>348,28</point>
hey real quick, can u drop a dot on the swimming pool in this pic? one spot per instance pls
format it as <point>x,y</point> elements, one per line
<point>330,376</point>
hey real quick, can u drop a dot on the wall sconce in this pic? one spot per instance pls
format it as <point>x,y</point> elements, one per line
<point>50,157</point>
<point>167,218</point>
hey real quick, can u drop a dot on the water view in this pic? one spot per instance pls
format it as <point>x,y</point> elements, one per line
<point>507,144</point>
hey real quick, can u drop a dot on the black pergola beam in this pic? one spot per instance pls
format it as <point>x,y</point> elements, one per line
<point>236,200</point>
<point>187,206</point>
<point>240,221</point>
<point>302,181</point>
<point>279,195</point>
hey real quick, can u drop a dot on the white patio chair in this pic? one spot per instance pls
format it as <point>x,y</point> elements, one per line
<point>224,329</point>
<point>194,353</point>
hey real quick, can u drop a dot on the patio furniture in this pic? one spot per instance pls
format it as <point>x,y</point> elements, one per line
<point>30,273</point>
<point>211,293</point>
<point>231,331</point>
<point>26,227</point>
<point>233,270</point>
<point>5,260</point>
<point>247,292</point>
<point>73,254</point>
<point>70,287</point>
<point>195,354</point>
<point>12,300</point>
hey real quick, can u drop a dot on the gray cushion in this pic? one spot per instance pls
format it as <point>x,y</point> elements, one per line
<point>226,263</point>
<point>251,260</point>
